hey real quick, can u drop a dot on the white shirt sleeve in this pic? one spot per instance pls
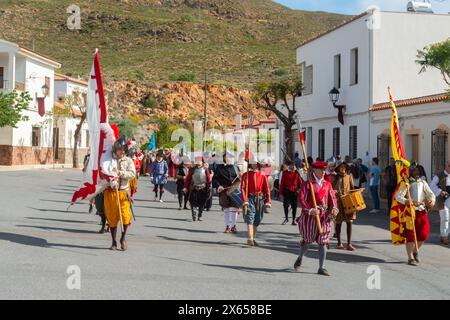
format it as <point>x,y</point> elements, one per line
<point>434,186</point>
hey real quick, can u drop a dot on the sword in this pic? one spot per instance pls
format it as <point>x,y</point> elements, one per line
<point>130,200</point>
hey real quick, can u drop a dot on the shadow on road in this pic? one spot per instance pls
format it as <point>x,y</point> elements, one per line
<point>58,229</point>
<point>183,229</point>
<point>59,211</point>
<point>39,242</point>
<point>60,220</point>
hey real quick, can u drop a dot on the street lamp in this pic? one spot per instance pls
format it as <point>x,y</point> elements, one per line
<point>334,98</point>
<point>45,89</point>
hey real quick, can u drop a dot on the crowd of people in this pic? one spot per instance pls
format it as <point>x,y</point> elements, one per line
<point>246,185</point>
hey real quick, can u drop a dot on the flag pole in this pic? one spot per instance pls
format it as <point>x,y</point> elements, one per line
<point>120,210</point>
<point>413,216</point>
<point>411,204</point>
<point>302,142</point>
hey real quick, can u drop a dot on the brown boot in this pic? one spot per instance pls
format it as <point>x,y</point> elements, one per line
<point>444,241</point>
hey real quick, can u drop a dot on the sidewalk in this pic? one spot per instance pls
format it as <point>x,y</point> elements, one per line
<point>36,166</point>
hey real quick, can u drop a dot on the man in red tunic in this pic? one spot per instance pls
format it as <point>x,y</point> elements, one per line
<point>327,209</point>
<point>289,186</point>
<point>256,198</point>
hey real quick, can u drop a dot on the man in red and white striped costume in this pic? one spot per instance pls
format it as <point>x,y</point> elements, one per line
<point>327,208</point>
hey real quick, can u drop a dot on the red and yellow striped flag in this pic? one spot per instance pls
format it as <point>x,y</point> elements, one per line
<point>401,216</point>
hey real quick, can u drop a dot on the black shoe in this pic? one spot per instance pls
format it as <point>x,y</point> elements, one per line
<point>256,244</point>
<point>412,262</point>
<point>284,222</point>
<point>91,207</point>
<point>323,272</point>
<point>194,218</point>
<point>294,223</point>
<point>416,257</point>
<point>297,264</point>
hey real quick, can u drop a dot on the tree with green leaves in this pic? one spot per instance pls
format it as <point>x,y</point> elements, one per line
<point>436,56</point>
<point>12,105</point>
<point>279,97</point>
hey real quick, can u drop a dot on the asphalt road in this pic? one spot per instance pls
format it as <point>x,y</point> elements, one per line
<point>170,257</point>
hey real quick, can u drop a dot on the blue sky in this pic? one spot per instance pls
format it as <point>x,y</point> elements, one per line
<point>358,6</point>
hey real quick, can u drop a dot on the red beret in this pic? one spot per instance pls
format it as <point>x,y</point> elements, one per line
<point>319,165</point>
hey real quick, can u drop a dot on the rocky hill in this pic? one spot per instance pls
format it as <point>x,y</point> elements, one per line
<point>148,46</point>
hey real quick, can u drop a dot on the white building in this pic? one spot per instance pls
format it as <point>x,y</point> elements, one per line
<point>361,58</point>
<point>65,126</point>
<point>25,70</point>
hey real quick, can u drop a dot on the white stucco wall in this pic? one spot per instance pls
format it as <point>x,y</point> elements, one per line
<point>421,120</point>
<point>386,58</point>
<point>394,55</point>
<point>35,73</point>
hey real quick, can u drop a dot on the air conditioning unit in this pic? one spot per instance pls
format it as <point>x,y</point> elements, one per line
<point>419,6</point>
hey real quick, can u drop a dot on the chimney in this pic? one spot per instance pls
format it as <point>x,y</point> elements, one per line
<point>238,121</point>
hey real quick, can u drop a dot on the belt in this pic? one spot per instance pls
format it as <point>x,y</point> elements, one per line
<point>255,194</point>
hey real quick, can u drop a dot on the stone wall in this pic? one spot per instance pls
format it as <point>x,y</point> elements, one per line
<point>16,156</point>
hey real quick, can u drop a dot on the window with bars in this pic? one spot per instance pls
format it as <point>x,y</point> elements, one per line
<point>337,71</point>
<point>439,143</point>
<point>353,142</point>
<point>87,139</point>
<point>322,144</point>
<point>336,142</point>
<point>354,66</point>
<point>47,83</point>
<point>35,136</point>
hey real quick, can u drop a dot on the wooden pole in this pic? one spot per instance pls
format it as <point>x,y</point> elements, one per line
<point>413,216</point>
<point>247,154</point>
<point>120,210</point>
<point>302,142</point>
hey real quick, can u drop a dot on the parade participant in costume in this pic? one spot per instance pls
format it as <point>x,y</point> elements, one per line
<point>227,177</point>
<point>289,186</point>
<point>256,197</point>
<point>330,172</point>
<point>343,183</point>
<point>422,197</point>
<point>209,163</point>
<point>99,201</point>
<point>182,173</point>
<point>197,186</point>
<point>137,157</point>
<point>441,188</point>
<point>159,175</point>
<point>124,170</point>
<point>326,210</point>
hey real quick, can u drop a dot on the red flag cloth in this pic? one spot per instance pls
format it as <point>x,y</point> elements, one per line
<point>41,106</point>
<point>302,137</point>
<point>341,114</point>
<point>102,136</point>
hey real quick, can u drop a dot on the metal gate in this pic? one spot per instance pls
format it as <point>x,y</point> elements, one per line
<point>383,153</point>
<point>439,145</point>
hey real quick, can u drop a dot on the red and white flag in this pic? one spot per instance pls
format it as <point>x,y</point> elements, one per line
<point>102,137</point>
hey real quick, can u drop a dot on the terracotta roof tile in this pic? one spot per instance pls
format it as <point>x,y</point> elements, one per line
<point>411,102</point>
<point>62,77</point>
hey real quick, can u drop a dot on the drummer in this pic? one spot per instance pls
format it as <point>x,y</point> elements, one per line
<point>227,177</point>
<point>342,183</point>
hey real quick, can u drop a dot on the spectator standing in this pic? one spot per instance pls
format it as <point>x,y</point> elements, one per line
<point>390,174</point>
<point>374,184</point>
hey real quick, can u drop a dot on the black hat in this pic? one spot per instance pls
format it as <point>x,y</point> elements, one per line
<point>340,163</point>
<point>121,143</point>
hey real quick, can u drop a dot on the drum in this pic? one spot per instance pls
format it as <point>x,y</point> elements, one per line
<point>353,201</point>
<point>236,198</point>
